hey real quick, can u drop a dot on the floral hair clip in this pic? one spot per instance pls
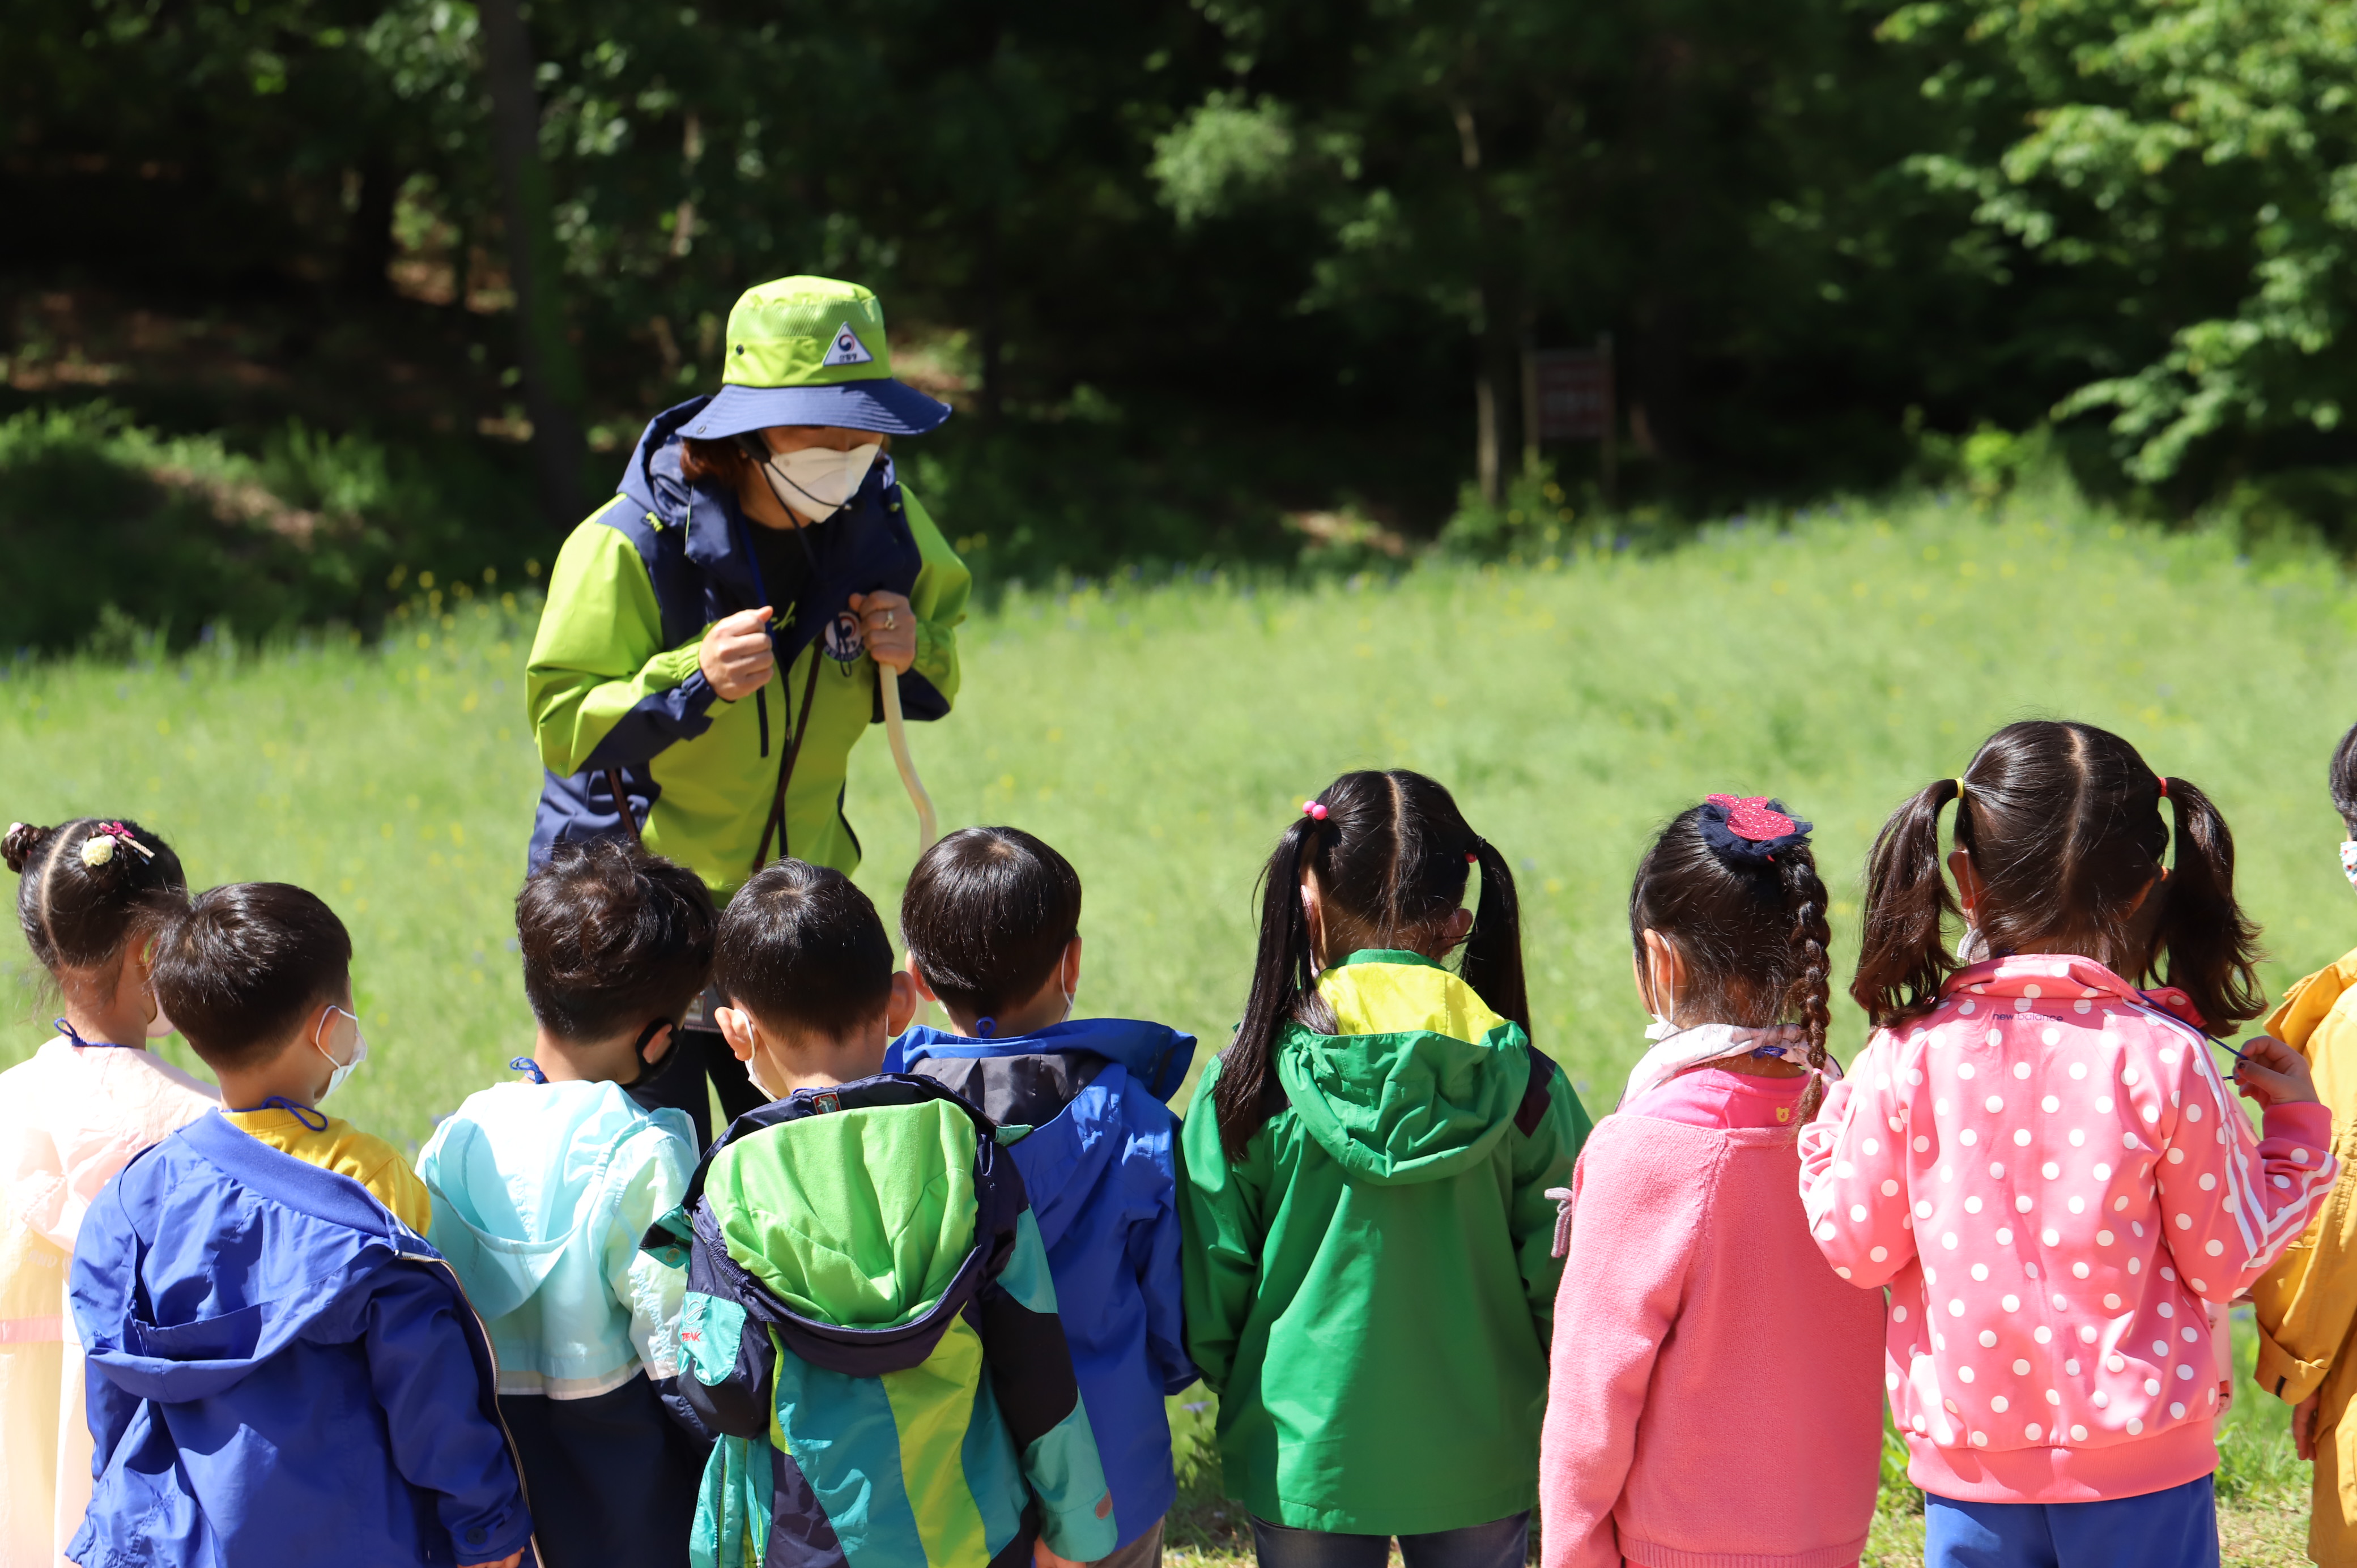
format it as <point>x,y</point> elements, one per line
<point>1315,809</point>
<point>1749,830</point>
<point>99,848</point>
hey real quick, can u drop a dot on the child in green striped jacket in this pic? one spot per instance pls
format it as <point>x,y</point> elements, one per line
<point>870,1325</point>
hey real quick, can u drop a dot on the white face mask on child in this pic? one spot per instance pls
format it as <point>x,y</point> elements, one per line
<point>351,1065</point>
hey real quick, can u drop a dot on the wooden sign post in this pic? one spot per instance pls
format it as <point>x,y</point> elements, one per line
<point>1567,396</point>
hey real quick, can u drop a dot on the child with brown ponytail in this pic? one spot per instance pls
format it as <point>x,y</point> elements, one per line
<point>1692,1297</point>
<point>91,898</point>
<point>1367,1273</point>
<point>2041,1161</point>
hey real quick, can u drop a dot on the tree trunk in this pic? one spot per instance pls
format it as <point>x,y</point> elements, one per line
<point>1498,312</point>
<point>552,389</point>
<point>368,243</point>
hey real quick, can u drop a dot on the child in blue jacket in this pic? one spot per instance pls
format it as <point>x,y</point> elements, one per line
<point>542,1189</point>
<point>992,922</point>
<point>280,1371</point>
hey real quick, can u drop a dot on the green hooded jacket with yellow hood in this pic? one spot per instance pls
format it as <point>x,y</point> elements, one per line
<point>1371,1289</point>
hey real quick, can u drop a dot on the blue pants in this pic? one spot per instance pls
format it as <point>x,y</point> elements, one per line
<point>1502,1544</point>
<point>2175,1529</point>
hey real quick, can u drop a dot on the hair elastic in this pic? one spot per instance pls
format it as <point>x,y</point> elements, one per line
<point>1315,809</point>
<point>1747,830</point>
<point>1959,783</point>
<point>2162,779</point>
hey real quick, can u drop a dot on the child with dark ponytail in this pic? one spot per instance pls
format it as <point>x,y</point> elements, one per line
<point>1368,1277</point>
<point>1689,1265</point>
<point>2041,1161</point>
<point>91,897</point>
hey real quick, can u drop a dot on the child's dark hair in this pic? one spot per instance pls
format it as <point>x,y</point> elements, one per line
<point>1390,853</point>
<point>2063,824</point>
<point>2344,779</point>
<point>242,964</point>
<point>1751,933</point>
<point>612,938</point>
<point>79,916</point>
<point>987,916</point>
<point>801,947</point>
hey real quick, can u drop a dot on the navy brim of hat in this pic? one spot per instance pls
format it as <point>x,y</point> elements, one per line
<point>888,407</point>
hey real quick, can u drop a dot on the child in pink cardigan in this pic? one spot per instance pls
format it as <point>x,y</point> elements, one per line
<point>92,895</point>
<point>2042,1161</point>
<point>1711,1396</point>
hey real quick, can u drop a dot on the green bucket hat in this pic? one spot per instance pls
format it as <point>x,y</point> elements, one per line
<point>806,350</point>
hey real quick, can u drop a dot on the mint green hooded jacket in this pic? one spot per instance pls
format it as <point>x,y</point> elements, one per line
<point>1370,1290</point>
<point>541,1193</point>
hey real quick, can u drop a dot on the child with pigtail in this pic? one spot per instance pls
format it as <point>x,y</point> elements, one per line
<point>1688,1255</point>
<point>91,897</point>
<point>1368,1281</point>
<point>2042,1160</point>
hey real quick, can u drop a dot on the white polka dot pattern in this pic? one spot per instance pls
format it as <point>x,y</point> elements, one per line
<point>2103,1125</point>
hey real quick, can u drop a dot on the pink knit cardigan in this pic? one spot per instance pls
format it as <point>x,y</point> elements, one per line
<point>1712,1398</point>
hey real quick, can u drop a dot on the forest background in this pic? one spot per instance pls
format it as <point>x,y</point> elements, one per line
<point>304,299</point>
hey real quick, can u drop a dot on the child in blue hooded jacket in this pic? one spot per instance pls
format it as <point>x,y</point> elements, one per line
<point>992,922</point>
<point>542,1188</point>
<point>280,1371</point>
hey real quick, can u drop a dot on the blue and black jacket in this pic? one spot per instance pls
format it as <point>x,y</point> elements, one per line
<point>1086,1104</point>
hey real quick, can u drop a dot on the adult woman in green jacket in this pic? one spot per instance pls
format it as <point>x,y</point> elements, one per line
<point>1368,1278</point>
<point>714,635</point>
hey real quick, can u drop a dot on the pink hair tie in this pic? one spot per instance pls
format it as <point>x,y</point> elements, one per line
<point>2163,782</point>
<point>1314,808</point>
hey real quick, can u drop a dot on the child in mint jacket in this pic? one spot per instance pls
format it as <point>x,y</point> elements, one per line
<point>542,1189</point>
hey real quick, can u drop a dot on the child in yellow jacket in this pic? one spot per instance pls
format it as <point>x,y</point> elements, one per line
<point>2307,1301</point>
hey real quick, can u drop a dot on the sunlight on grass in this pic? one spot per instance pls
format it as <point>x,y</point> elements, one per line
<point>1162,736</point>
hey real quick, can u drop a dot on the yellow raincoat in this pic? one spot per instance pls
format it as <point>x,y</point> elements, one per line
<point>2307,1301</point>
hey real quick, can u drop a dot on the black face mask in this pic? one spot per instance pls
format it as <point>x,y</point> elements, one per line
<point>649,1066</point>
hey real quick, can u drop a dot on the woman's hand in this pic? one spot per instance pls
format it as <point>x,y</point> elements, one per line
<point>2303,1426</point>
<point>736,656</point>
<point>1044,1556</point>
<point>2273,1074</point>
<point>890,626</point>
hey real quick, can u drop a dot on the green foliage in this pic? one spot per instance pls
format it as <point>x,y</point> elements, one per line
<point>2189,174</point>
<point>126,527</point>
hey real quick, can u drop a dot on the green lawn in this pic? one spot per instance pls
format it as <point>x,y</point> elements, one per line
<point>1162,735</point>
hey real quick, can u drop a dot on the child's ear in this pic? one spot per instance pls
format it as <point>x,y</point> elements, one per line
<point>916,979</point>
<point>1071,966</point>
<point>736,1028</point>
<point>908,993</point>
<point>1459,924</point>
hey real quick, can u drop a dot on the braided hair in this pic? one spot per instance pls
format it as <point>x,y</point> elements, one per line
<point>90,887</point>
<point>1748,920</point>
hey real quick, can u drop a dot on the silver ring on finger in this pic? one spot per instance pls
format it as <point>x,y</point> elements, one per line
<point>890,620</point>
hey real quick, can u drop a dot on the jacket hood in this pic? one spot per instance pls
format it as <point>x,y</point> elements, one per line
<point>175,1326</point>
<point>1419,1081</point>
<point>1156,1055</point>
<point>1067,1094</point>
<point>2067,976</point>
<point>857,1219</point>
<point>504,1217</point>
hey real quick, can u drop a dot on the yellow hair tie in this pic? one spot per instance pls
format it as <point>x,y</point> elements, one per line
<point>1959,790</point>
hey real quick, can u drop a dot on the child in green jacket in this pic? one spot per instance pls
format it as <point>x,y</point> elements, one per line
<point>1369,1283</point>
<point>871,1323</point>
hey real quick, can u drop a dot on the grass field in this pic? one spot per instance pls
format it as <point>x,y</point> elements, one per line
<point>1162,735</point>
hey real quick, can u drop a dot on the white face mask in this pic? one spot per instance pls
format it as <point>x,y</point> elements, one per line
<point>2349,861</point>
<point>351,1065</point>
<point>817,481</point>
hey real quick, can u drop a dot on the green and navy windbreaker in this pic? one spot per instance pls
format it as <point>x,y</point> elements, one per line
<point>871,1330</point>
<point>617,697</point>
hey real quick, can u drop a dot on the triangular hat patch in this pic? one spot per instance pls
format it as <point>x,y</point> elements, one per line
<point>847,349</point>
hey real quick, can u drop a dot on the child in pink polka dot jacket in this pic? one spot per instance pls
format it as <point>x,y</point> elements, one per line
<point>2041,1161</point>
